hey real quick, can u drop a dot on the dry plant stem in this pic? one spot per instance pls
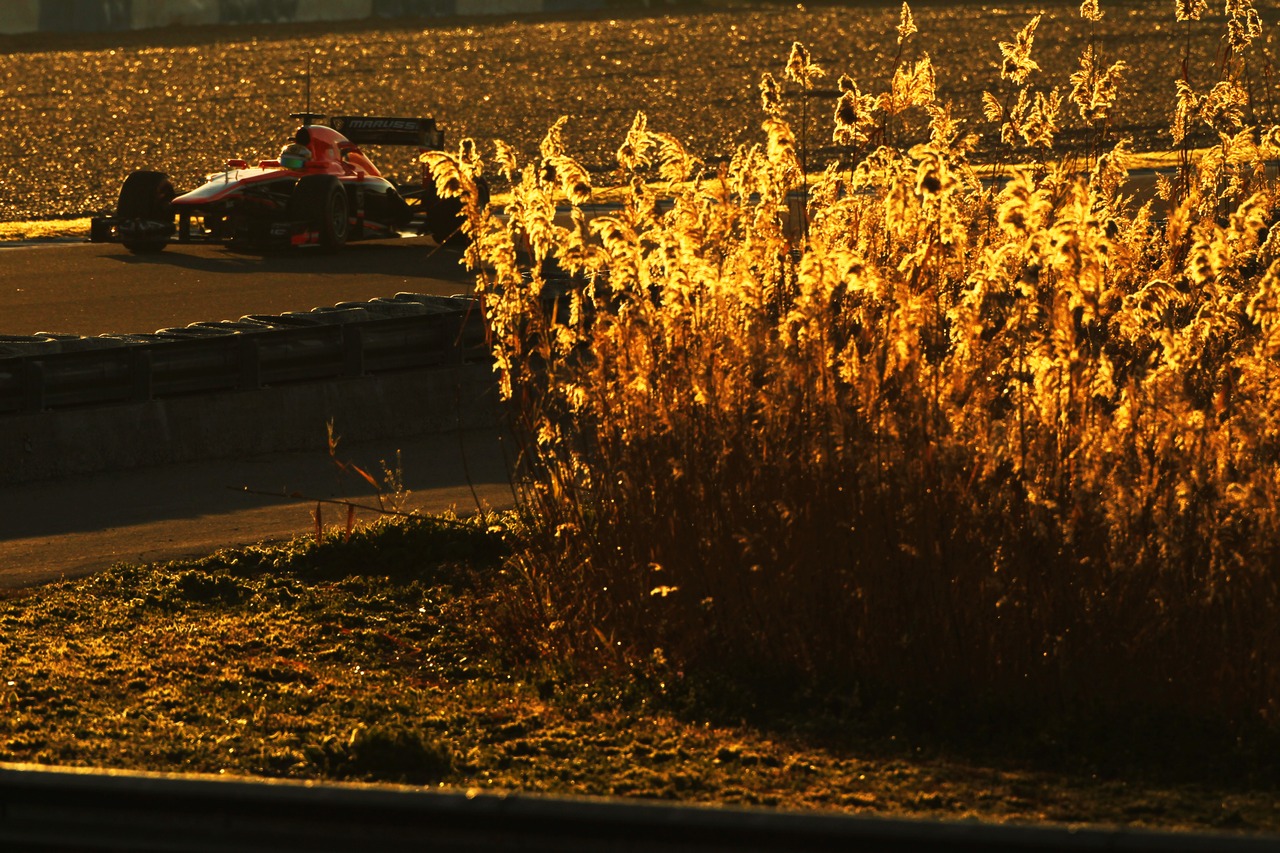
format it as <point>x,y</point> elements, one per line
<point>350,506</point>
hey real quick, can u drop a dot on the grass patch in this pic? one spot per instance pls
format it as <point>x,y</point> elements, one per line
<point>54,229</point>
<point>314,660</point>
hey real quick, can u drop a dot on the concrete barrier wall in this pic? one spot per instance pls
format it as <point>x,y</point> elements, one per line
<point>20,16</point>
<point>334,10</point>
<point>27,16</point>
<point>162,13</point>
<point>64,443</point>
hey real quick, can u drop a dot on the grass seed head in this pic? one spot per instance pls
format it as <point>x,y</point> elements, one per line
<point>906,25</point>
<point>1190,10</point>
<point>770,95</point>
<point>1017,64</point>
<point>800,67</point>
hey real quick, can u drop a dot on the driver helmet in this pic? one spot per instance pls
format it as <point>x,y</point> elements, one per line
<point>294,156</point>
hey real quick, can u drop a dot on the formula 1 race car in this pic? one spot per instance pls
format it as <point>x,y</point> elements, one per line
<point>321,191</point>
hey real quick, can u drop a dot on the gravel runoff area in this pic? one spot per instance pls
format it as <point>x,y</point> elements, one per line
<point>83,111</point>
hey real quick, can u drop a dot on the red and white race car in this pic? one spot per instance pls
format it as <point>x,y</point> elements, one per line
<point>322,190</point>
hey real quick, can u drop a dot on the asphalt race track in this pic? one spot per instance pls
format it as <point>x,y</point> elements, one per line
<point>100,288</point>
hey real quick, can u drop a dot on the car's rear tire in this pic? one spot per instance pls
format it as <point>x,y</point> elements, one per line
<point>321,202</point>
<point>146,198</point>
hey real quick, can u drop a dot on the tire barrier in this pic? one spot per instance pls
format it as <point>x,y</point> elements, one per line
<point>44,371</point>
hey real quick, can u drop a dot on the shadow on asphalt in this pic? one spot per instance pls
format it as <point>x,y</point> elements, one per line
<point>409,257</point>
<point>431,467</point>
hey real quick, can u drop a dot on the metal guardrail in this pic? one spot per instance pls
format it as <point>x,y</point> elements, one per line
<point>43,809</point>
<point>43,372</point>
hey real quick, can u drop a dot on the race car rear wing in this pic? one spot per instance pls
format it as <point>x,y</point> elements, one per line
<point>378,130</point>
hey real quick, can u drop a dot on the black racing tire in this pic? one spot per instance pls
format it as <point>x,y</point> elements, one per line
<point>320,201</point>
<point>146,196</point>
<point>444,219</point>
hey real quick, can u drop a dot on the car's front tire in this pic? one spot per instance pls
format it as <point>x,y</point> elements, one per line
<point>144,212</point>
<point>321,202</point>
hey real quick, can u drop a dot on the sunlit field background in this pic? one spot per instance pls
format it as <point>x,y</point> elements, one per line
<point>81,112</point>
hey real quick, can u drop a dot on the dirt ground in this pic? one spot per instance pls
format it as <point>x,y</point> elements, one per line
<point>84,111</point>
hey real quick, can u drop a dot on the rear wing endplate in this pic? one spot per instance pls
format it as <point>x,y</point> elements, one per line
<point>379,130</point>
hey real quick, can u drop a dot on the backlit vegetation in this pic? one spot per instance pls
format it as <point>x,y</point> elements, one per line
<point>944,433</point>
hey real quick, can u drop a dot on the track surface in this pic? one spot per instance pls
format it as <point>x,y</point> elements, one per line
<point>94,289</point>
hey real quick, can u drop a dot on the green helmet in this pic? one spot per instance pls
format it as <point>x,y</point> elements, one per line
<point>295,156</point>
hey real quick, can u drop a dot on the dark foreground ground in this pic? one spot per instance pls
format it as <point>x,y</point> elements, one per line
<point>81,112</point>
<point>383,659</point>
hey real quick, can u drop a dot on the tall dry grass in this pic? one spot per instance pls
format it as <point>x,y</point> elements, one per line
<point>916,433</point>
